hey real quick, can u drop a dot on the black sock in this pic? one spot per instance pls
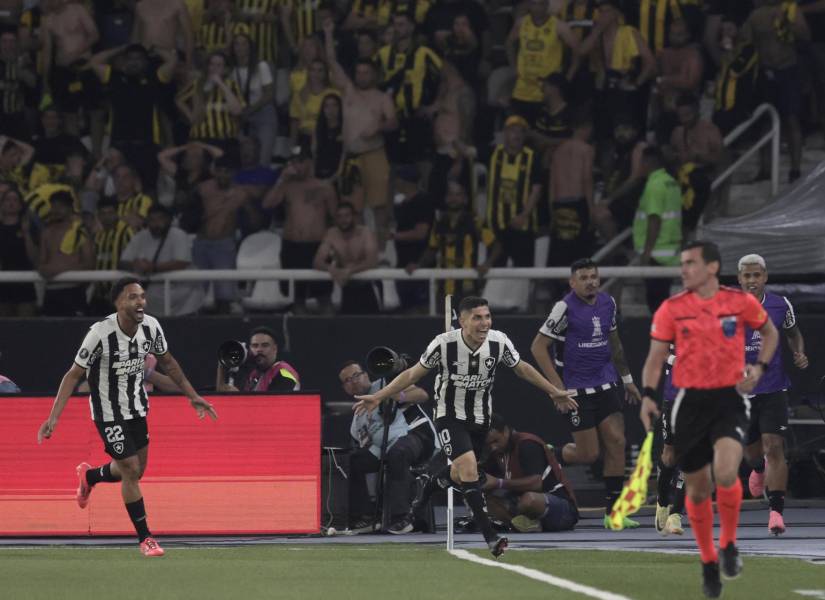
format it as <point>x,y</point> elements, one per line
<point>759,465</point>
<point>98,474</point>
<point>664,483</point>
<point>444,479</point>
<point>776,500</point>
<point>137,513</point>
<point>679,495</point>
<point>475,499</point>
<point>613,489</point>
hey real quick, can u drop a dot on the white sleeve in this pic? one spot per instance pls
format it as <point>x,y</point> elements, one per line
<point>556,323</point>
<point>90,350</point>
<point>509,356</point>
<point>130,252</point>
<point>181,246</point>
<point>790,315</point>
<point>159,345</point>
<point>264,73</point>
<point>432,355</point>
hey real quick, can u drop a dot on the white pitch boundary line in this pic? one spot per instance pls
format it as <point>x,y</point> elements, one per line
<point>564,584</point>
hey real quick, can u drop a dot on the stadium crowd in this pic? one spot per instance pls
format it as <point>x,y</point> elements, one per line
<point>157,135</point>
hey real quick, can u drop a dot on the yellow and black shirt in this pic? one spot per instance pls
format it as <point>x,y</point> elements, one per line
<point>455,239</point>
<point>39,200</point>
<point>109,245</point>
<point>218,122</point>
<point>540,53</point>
<point>263,33</point>
<point>137,204</point>
<point>655,16</point>
<point>414,76</point>
<point>510,179</point>
<point>304,18</point>
<point>554,125</point>
<point>737,78</point>
<point>383,10</point>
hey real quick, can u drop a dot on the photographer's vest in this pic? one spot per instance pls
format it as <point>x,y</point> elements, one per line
<point>259,382</point>
<point>512,466</point>
<point>540,53</point>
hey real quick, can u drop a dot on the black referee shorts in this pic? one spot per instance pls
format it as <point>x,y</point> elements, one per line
<point>459,437</point>
<point>124,438</point>
<point>769,414</point>
<point>699,418</point>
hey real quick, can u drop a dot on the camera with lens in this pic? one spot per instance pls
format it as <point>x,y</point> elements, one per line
<point>232,354</point>
<point>386,363</point>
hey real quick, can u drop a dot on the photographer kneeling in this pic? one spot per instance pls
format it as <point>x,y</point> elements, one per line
<point>411,440</point>
<point>525,484</point>
<point>255,368</point>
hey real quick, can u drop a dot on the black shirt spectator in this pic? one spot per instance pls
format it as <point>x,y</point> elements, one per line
<point>17,253</point>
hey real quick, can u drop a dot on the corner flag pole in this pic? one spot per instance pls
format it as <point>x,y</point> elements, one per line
<point>448,325</point>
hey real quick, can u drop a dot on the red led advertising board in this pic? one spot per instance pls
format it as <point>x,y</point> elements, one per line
<point>256,470</point>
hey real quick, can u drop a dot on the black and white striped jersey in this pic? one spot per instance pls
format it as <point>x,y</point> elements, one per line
<point>114,367</point>
<point>464,381</point>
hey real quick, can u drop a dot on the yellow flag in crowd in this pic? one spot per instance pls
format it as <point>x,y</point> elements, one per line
<point>634,492</point>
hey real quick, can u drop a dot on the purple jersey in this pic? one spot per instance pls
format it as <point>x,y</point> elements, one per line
<point>779,311</point>
<point>584,330</point>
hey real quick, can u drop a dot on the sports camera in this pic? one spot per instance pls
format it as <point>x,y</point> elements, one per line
<point>386,362</point>
<point>232,354</point>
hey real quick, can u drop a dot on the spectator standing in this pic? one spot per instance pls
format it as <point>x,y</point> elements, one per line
<point>111,238</point>
<point>132,204</point>
<point>253,77</point>
<point>17,82</point>
<point>18,252</point>
<point>347,249</point>
<point>680,72</point>
<point>736,80</point>
<point>535,48</point>
<point>368,114</point>
<point>214,245</point>
<point>305,106</point>
<point>64,246</point>
<point>68,33</point>
<point>53,144</point>
<point>513,191</point>
<point>414,213</point>
<point>775,28</point>
<point>328,139</point>
<point>182,169</point>
<point>218,106</point>
<point>309,204</point>
<point>657,227</point>
<point>164,25</point>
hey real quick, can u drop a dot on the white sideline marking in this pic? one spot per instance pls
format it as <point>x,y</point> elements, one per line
<point>565,584</point>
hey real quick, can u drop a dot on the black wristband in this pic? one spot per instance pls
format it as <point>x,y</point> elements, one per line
<point>762,364</point>
<point>648,392</point>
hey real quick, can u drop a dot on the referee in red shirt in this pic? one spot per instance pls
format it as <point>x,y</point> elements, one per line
<point>709,418</point>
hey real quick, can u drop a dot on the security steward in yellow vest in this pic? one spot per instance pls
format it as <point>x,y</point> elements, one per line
<point>513,191</point>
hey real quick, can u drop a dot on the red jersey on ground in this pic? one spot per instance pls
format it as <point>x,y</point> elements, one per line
<point>709,335</point>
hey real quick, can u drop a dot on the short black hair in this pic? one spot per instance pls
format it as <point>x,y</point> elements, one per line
<point>583,263</point>
<point>653,153</point>
<point>121,284</point>
<point>687,99</point>
<point>471,302</point>
<point>348,363</point>
<point>710,251</point>
<point>263,329</point>
<point>346,204</point>
<point>498,423</point>
<point>159,208</point>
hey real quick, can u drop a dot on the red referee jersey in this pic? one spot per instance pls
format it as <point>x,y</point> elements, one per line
<point>709,335</point>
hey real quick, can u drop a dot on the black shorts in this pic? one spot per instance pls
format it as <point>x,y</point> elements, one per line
<point>123,439</point>
<point>594,408</point>
<point>459,437</point>
<point>699,418</point>
<point>769,414</point>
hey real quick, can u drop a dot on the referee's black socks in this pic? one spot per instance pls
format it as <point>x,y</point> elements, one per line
<point>98,474</point>
<point>137,513</point>
<point>475,499</point>
<point>613,489</point>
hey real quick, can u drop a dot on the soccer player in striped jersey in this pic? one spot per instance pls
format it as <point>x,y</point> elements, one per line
<point>765,442</point>
<point>466,360</point>
<point>112,359</point>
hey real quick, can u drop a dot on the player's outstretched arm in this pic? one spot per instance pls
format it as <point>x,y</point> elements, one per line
<point>561,397</point>
<point>67,386</point>
<point>175,373</point>
<point>651,372</point>
<point>369,402</point>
